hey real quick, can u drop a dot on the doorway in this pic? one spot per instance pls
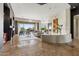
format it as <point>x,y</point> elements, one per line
<point>7,22</point>
<point>76,27</point>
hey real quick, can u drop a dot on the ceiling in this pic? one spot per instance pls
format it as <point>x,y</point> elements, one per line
<point>37,11</point>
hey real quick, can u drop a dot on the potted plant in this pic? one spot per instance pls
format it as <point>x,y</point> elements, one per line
<point>43,29</point>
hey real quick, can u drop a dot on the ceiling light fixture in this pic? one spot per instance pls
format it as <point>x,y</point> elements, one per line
<point>41,3</point>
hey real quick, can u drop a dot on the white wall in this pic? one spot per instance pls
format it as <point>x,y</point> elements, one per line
<point>76,26</point>
<point>63,19</point>
<point>68,20</point>
<point>1,25</point>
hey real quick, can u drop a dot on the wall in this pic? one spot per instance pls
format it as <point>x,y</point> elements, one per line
<point>12,20</point>
<point>63,19</point>
<point>1,25</point>
<point>73,13</point>
<point>76,26</point>
<point>7,22</point>
<point>68,20</point>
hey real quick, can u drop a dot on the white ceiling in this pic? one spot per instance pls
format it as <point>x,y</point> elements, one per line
<point>38,12</point>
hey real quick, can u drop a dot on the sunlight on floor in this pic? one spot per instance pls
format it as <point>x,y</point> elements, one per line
<point>35,47</point>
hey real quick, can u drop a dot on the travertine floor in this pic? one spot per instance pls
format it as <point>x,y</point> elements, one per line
<point>35,47</point>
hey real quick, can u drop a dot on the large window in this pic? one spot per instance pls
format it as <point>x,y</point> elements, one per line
<point>26,26</point>
<point>23,27</point>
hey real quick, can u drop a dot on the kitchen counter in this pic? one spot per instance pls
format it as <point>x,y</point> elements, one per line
<point>56,38</point>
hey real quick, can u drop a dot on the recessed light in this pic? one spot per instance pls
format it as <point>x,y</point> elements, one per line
<point>74,7</point>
